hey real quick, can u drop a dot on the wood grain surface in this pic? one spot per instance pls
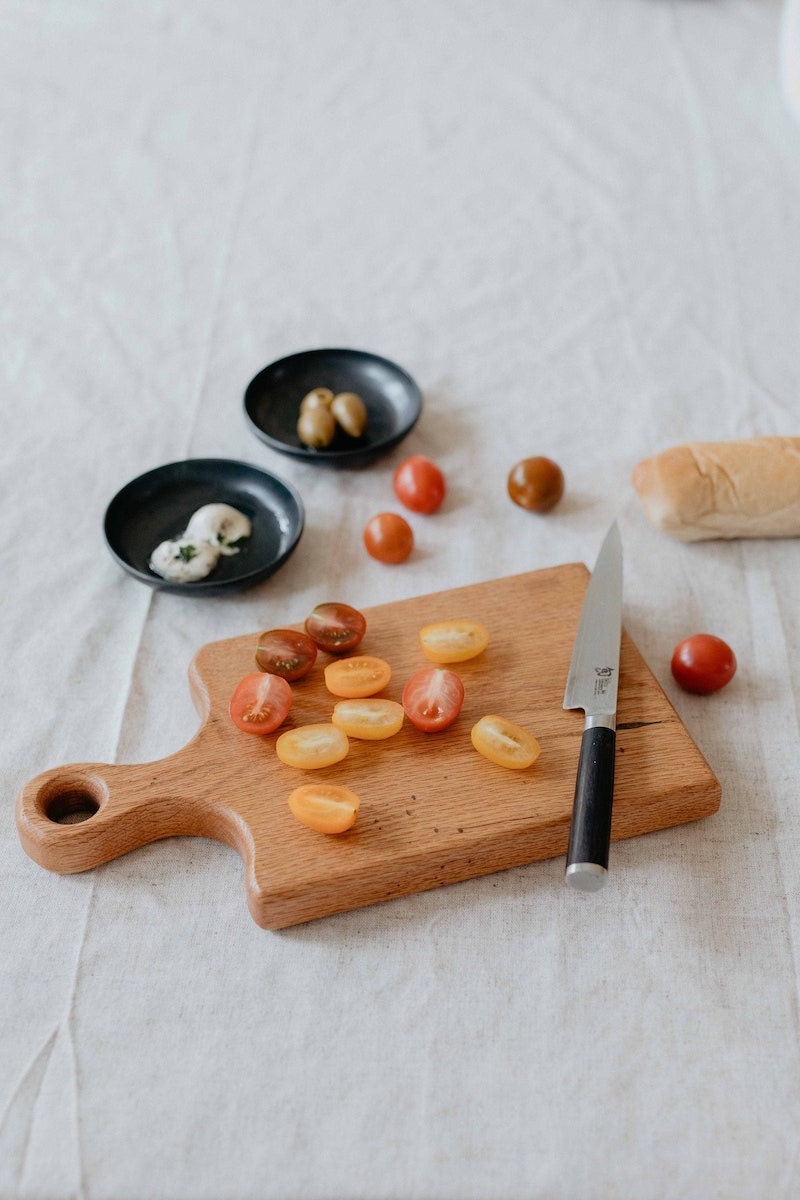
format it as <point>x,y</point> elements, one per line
<point>433,811</point>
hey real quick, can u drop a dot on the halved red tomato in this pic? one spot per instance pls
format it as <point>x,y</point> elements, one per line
<point>260,703</point>
<point>286,652</point>
<point>336,627</point>
<point>432,698</point>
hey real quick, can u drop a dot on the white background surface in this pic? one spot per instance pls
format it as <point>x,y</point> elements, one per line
<point>578,227</point>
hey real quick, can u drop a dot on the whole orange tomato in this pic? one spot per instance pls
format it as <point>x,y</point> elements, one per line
<point>389,538</point>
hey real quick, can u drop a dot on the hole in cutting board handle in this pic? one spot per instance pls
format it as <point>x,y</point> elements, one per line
<point>71,801</point>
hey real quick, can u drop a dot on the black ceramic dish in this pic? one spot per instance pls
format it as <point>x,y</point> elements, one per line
<point>393,401</point>
<point>157,506</point>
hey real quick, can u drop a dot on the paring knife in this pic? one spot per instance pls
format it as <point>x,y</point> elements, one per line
<point>592,685</point>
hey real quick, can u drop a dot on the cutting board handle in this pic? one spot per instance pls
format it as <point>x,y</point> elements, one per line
<point>76,817</point>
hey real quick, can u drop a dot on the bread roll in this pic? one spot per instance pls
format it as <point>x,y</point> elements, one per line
<point>748,488</point>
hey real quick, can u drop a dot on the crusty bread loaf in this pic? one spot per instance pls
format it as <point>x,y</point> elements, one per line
<point>748,488</point>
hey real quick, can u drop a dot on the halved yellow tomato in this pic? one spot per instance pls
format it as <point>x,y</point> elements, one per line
<point>368,719</point>
<point>312,746</point>
<point>361,675</point>
<point>504,743</point>
<point>326,807</point>
<point>453,641</point>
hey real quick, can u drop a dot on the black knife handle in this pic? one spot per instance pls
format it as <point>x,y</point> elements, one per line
<point>590,834</point>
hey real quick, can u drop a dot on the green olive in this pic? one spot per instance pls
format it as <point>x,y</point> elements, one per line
<point>320,397</point>
<point>351,412</point>
<point>316,428</point>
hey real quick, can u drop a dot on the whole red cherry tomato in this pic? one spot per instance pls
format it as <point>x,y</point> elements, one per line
<point>260,703</point>
<point>703,663</point>
<point>389,538</point>
<point>432,698</point>
<point>336,627</point>
<point>419,484</point>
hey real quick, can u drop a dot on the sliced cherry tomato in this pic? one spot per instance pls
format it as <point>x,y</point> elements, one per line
<point>389,538</point>
<point>336,627</point>
<point>419,484</point>
<point>504,743</point>
<point>453,641</point>
<point>286,652</point>
<point>260,703</point>
<point>326,807</point>
<point>312,746</point>
<point>703,663</point>
<point>371,720</point>
<point>432,698</point>
<point>361,675</point>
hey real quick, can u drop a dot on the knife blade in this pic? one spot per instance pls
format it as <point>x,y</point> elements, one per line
<point>592,684</point>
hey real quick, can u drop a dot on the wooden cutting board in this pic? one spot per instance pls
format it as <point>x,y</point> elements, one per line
<point>433,811</point>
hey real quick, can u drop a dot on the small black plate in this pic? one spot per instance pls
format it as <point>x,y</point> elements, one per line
<point>393,400</point>
<point>158,505</point>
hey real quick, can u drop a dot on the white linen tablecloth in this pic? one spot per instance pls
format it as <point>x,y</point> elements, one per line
<point>578,227</point>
